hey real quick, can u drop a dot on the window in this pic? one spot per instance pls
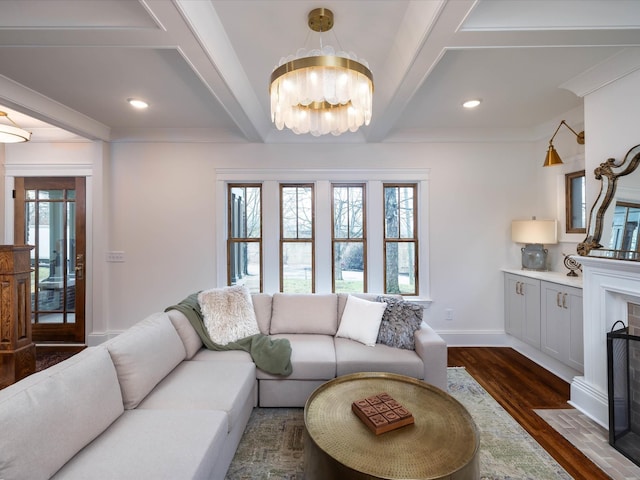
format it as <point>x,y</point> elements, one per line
<point>348,239</point>
<point>296,239</point>
<point>244,262</point>
<point>322,230</point>
<point>400,240</point>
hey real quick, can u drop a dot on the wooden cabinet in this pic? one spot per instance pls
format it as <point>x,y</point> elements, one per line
<point>17,351</point>
<point>562,324</point>
<point>522,311</point>
<point>546,315</point>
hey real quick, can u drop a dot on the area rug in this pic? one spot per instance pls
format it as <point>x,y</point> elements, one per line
<point>272,445</point>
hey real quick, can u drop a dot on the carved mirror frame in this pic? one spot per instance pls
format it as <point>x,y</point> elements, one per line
<point>609,173</point>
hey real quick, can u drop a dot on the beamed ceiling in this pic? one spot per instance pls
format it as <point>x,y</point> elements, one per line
<point>67,66</point>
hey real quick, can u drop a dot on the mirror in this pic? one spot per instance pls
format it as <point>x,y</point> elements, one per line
<point>575,202</point>
<point>612,232</point>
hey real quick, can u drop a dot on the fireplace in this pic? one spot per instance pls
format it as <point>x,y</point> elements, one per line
<point>623,368</point>
<point>609,286</point>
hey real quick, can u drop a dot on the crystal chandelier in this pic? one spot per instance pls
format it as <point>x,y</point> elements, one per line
<point>321,91</point>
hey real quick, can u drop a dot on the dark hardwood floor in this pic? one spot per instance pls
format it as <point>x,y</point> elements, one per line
<point>521,386</point>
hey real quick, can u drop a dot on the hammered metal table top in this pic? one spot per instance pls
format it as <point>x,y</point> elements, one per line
<point>443,439</point>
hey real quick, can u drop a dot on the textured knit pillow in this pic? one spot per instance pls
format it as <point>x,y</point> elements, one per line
<point>228,314</point>
<point>399,322</point>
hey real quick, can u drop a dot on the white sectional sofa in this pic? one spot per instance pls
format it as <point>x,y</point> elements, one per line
<point>152,403</point>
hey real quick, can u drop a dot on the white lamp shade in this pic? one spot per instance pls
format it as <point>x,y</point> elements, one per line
<point>534,231</point>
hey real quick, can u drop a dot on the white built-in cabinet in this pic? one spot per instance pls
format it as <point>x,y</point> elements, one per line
<point>546,315</point>
<point>561,334</point>
<point>522,297</point>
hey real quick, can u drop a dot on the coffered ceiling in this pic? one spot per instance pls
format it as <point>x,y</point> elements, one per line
<point>204,65</point>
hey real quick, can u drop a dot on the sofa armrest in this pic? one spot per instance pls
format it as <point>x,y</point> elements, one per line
<point>432,349</point>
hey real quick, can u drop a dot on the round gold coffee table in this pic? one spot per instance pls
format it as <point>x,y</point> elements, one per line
<point>442,443</point>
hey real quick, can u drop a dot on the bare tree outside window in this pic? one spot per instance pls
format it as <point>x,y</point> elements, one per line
<point>297,239</point>
<point>349,243</point>
<point>244,251</point>
<point>400,241</point>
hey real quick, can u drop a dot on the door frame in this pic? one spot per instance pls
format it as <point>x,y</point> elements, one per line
<point>79,170</point>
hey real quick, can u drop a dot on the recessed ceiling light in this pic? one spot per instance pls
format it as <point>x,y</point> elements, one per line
<point>137,103</point>
<point>471,103</point>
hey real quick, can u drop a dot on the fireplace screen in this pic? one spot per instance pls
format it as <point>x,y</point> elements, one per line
<point>623,363</point>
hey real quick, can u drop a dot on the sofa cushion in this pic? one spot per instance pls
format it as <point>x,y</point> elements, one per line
<point>237,356</point>
<point>304,313</point>
<point>262,308</point>
<point>228,314</point>
<point>312,358</point>
<point>144,354</point>
<point>400,321</point>
<point>205,386</point>
<point>352,357</point>
<point>188,335</point>
<point>361,320</point>
<point>53,414</point>
<point>152,444</point>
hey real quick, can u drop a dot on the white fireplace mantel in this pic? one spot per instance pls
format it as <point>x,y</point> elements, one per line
<point>608,286</point>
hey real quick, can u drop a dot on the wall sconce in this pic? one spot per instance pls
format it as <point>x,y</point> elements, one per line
<point>552,157</point>
<point>534,234</point>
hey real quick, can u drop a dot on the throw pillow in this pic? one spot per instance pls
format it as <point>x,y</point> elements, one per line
<point>399,322</point>
<point>361,320</point>
<point>228,314</point>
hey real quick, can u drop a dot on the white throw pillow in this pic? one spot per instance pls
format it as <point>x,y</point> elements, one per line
<point>228,314</point>
<point>361,320</point>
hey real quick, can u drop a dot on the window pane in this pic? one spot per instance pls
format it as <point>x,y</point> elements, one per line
<point>348,212</point>
<point>244,265</point>
<point>400,267</point>
<point>578,203</point>
<point>245,212</point>
<point>405,212</point>
<point>244,258</point>
<point>297,274</point>
<point>391,225</point>
<point>399,211</point>
<point>349,267</point>
<point>341,212</point>
<point>297,212</point>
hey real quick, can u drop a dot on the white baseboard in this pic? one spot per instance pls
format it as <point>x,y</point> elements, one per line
<point>590,401</point>
<point>481,338</point>
<point>94,339</point>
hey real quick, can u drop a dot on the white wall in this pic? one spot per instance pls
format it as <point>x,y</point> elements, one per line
<point>157,203</point>
<point>610,117</point>
<point>162,203</point>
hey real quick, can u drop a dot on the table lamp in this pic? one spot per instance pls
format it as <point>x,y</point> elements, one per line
<point>534,234</point>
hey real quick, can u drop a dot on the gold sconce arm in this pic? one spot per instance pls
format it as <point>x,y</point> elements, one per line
<point>552,157</point>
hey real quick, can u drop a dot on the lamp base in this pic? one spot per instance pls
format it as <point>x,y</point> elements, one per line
<point>534,257</point>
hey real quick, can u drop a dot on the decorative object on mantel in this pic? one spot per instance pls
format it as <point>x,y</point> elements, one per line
<point>552,157</point>
<point>610,174</point>
<point>534,234</point>
<point>572,264</point>
<point>321,91</point>
<point>12,133</point>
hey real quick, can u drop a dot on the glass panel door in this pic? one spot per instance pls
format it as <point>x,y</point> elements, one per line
<point>50,219</point>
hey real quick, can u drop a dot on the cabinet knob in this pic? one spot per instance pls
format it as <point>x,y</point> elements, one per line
<point>558,299</point>
<point>564,300</point>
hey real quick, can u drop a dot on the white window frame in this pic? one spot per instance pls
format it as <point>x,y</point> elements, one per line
<point>323,179</point>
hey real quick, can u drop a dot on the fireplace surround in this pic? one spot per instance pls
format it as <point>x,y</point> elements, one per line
<point>608,288</point>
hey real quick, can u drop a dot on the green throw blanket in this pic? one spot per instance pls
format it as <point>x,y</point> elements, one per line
<point>271,355</point>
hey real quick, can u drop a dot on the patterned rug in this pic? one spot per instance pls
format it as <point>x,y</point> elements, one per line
<point>272,445</point>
